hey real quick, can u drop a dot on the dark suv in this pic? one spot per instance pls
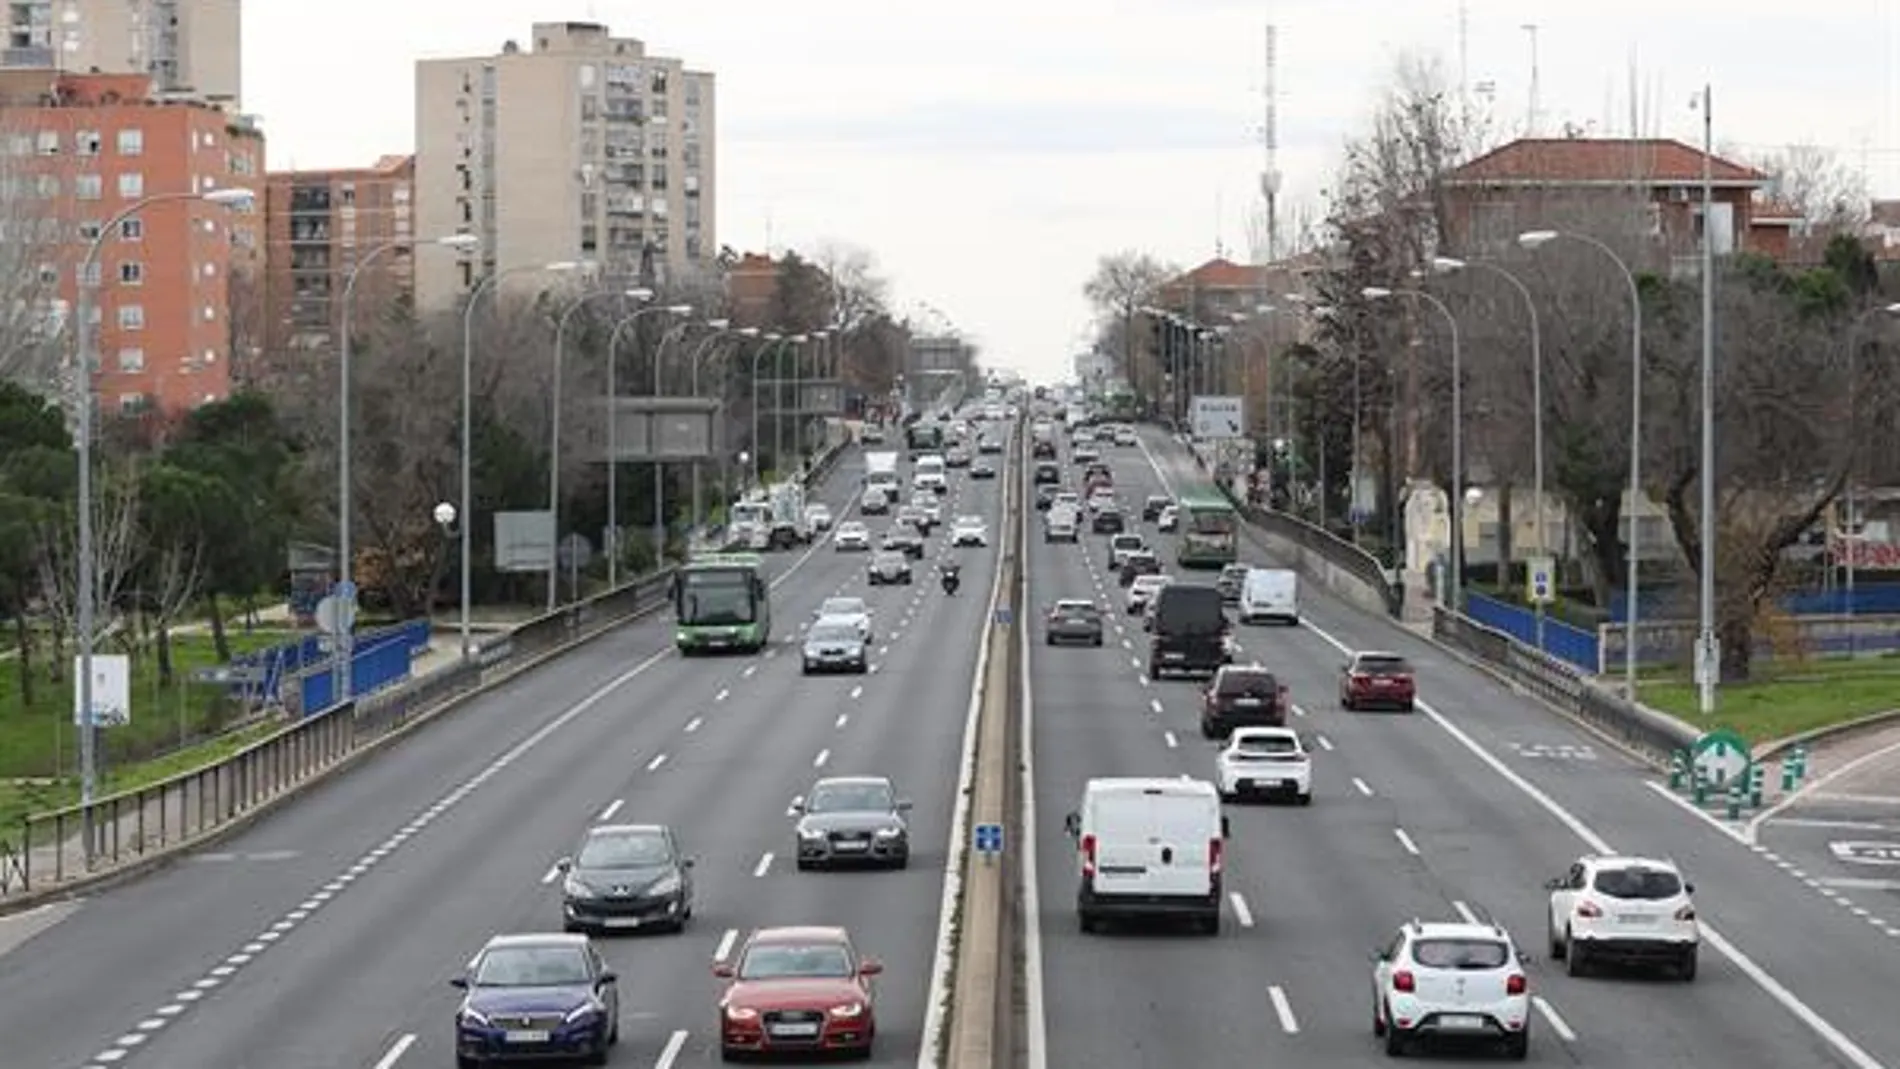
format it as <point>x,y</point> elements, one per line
<point>1108,521</point>
<point>1243,697</point>
<point>1232,579</point>
<point>1189,631</point>
<point>1047,474</point>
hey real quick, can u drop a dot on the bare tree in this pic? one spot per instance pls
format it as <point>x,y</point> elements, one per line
<point>116,544</point>
<point>858,291</point>
<point>32,252</point>
<point>172,584</point>
<point>1122,284</point>
<point>1830,194</point>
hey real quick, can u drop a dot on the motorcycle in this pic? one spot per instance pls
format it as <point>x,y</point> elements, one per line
<point>951,580</point>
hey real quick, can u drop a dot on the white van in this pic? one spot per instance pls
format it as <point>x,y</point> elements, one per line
<point>928,474</point>
<point>1149,847</point>
<point>1270,594</point>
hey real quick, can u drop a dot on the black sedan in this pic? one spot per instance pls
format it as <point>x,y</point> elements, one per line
<point>1046,496</point>
<point>626,877</point>
<point>905,540</point>
<point>1074,620</point>
<point>536,998</point>
<point>982,469</point>
<point>1108,521</point>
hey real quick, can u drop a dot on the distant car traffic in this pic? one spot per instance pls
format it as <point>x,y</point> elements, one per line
<point>835,646</point>
<point>1108,520</point>
<point>1154,506</point>
<point>970,531</point>
<point>889,566</point>
<point>1624,911</point>
<point>625,877</point>
<point>818,517</point>
<point>797,991</point>
<point>1074,620</point>
<point>852,820</point>
<point>843,610</point>
<point>1169,520</point>
<point>982,469</point>
<point>851,536</point>
<point>1243,695</point>
<point>905,539</point>
<point>536,997</point>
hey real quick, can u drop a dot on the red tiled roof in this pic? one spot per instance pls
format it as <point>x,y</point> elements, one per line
<point>1217,274</point>
<point>1591,161</point>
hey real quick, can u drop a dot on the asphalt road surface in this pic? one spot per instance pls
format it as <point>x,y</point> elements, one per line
<point>1461,809</point>
<point>325,935</point>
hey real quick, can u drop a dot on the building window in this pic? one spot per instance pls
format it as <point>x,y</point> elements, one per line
<point>47,143</point>
<point>46,186</point>
<point>88,186</point>
<point>88,142</point>
<point>49,275</point>
<point>210,314</point>
<point>131,273</point>
<point>88,231</point>
<point>131,361</point>
<point>210,270</point>
<point>131,229</point>
<point>89,274</point>
<point>132,142</point>
<point>132,184</point>
<point>131,402</point>
<point>131,317</point>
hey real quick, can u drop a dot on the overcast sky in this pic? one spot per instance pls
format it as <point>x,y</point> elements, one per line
<point>988,152</point>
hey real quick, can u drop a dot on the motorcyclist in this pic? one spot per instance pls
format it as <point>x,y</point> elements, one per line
<point>952,576</point>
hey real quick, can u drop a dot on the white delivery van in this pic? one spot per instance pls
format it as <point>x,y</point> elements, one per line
<point>1270,594</point>
<point>928,474</point>
<point>1149,848</point>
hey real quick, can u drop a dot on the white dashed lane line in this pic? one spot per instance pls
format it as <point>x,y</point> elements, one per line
<point>1173,743</point>
<point>726,941</point>
<point>613,807</point>
<point>1155,704</point>
<point>670,1053</point>
<point>1557,1023</point>
<point>693,724</point>
<point>553,873</point>
<point>1465,913</point>
<point>1405,841</point>
<point>764,866</point>
<point>1241,912</point>
<point>1283,1009</point>
<point>723,694</point>
<point>843,719</point>
<point>396,1051</point>
<point>857,691</point>
<point>1324,743</point>
<point>1362,786</point>
<point>819,761</point>
<point>658,760</point>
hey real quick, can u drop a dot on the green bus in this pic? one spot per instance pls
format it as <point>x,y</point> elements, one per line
<point>1210,530</point>
<point>722,602</point>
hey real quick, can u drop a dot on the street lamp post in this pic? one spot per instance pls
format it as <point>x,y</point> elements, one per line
<point>1457,599</point>
<point>85,609</point>
<point>659,465</point>
<point>774,342</point>
<point>638,293</point>
<point>798,392</point>
<point>1536,239</point>
<point>613,433</point>
<point>345,508</point>
<point>1448,265</point>
<point>720,329</point>
<point>468,432</point>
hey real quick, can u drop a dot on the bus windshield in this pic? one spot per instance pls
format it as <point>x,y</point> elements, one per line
<point>717,597</point>
<point>1213,521</point>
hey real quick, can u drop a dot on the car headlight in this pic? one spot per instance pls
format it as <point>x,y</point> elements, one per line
<point>474,1017</point>
<point>741,1013</point>
<point>583,1011</point>
<point>848,1010</point>
<point>889,833</point>
<point>574,888</point>
<point>810,833</point>
<point>665,885</point>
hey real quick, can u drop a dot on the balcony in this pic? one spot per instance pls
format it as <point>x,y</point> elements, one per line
<point>310,199</point>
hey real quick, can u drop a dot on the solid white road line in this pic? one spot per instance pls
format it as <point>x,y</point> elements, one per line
<point>1361,786</point>
<point>1173,743</point>
<point>725,944</point>
<point>396,1050</point>
<point>1773,988</point>
<point>1835,825</point>
<point>1813,787</point>
<point>1465,913</point>
<point>553,873</point>
<point>1684,804</point>
<point>1554,1020</point>
<point>658,760</point>
<point>1406,841</point>
<point>1284,1010</point>
<point>1241,912</point>
<point>819,761</point>
<point>764,866</point>
<point>671,1052</point>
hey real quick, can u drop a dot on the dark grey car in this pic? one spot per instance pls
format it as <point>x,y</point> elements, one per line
<point>852,820</point>
<point>1074,621</point>
<point>627,877</point>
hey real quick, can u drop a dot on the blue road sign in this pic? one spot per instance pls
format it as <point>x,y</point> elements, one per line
<point>1005,615</point>
<point>989,838</point>
<point>344,591</point>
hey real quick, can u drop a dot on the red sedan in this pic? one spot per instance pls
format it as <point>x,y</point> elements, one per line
<point>797,991</point>
<point>1371,680</point>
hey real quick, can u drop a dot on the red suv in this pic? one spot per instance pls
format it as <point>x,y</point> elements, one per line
<point>1243,696</point>
<point>1373,680</point>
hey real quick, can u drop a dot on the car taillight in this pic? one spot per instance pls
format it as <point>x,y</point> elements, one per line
<point>1360,680</point>
<point>1402,981</point>
<point>1088,857</point>
<point>1215,850</point>
<point>1589,910</point>
<point>1515,984</point>
<point>1686,913</point>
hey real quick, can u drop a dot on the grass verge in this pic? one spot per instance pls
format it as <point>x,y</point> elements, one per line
<point>1786,700</point>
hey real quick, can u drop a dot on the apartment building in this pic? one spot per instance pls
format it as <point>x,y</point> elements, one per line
<point>188,46</point>
<point>320,226</point>
<point>78,150</point>
<point>581,146</point>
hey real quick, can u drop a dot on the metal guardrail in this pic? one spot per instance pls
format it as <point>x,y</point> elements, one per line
<point>1556,682</point>
<point>51,848</point>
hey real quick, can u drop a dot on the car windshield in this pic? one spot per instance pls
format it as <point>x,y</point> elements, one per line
<point>817,510</point>
<point>969,521</point>
<point>849,798</point>
<point>531,966</point>
<point>1148,584</point>
<point>1650,884</point>
<point>831,632</point>
<point>1470,954</point>
<point>1234,572</point>
<point>1266,744</point>
<point>1259,683</point>
<point>842,607</point>
<point>851,529</point>
<point>777,961</point>
<point>624,850</point>
<point>1125,541</point>
<point>1384,666</point>
<point>1077,608</point>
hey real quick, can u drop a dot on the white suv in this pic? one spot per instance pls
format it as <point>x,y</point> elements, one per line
<point>1635,910</point>
<point>1456,981</point>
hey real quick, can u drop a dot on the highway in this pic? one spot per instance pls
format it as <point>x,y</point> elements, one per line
<point>1462,809</point>
<point>325,935</point>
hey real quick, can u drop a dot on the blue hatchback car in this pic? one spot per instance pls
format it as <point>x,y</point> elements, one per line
<point>536,998</point>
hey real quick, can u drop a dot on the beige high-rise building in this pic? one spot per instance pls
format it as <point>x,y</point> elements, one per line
<point>580,147</point>
<point>185,45</point>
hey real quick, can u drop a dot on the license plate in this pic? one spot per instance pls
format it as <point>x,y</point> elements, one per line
<point>794,1029</point>
<point>1174,656</point>
<point>1460,1020</point>
<point>1635,920</point>
<point>1247,703</point>
<point>525,1036</point>
<point>715,642</point>
<point>849,846</point>
<point>623,922</point>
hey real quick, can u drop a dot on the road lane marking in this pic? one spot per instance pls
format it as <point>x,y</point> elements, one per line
<point>1773,988</point>
<point>1834,825</point>
<point>725,944</point>
<point>553,873</point>
<point>1155,704</point>
<point>1361,786</point>
<point>1557,1023</point>
<point>1465,913</point>
<point>857,691</point>
<point>1173,743</point>
<point>843,719</point>
<point>1406,841</point>
<point>1283,1010</point>
<point>1324,743</point>
<point>1241,912</point>
<point>749,670</point>
<point>693,724</point>
<point>1299,710</point>
<point>396,1051</point>
<point>658,760</point>
<point>764,866</point>
<point>1661,790</point>
<point>819,761</point>
<point>613,807</point>
<point>723,694</point>
<point>671,1052</point>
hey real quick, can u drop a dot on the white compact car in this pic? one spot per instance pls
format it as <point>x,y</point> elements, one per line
<point>1265,762</point>
<point>1086,454</point>
<point>1169,520</point>
<point>1142,592</point>
<point>1451,980</point>
<point>1631,910</point>
<point>933,508</point>
<point>1125,436</point>
<point>852,611</point>
<point>874,501</point>
<point>1120,546</point>
<point>969,531</point>
<point>1101,499</point>
<point>851,536</point>
<point>818,517</point>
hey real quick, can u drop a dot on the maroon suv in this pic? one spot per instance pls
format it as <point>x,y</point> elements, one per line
<point>1377,680</point>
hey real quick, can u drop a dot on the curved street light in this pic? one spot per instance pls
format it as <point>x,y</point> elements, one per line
<point>613,430</point>
<point>1374,293</point>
